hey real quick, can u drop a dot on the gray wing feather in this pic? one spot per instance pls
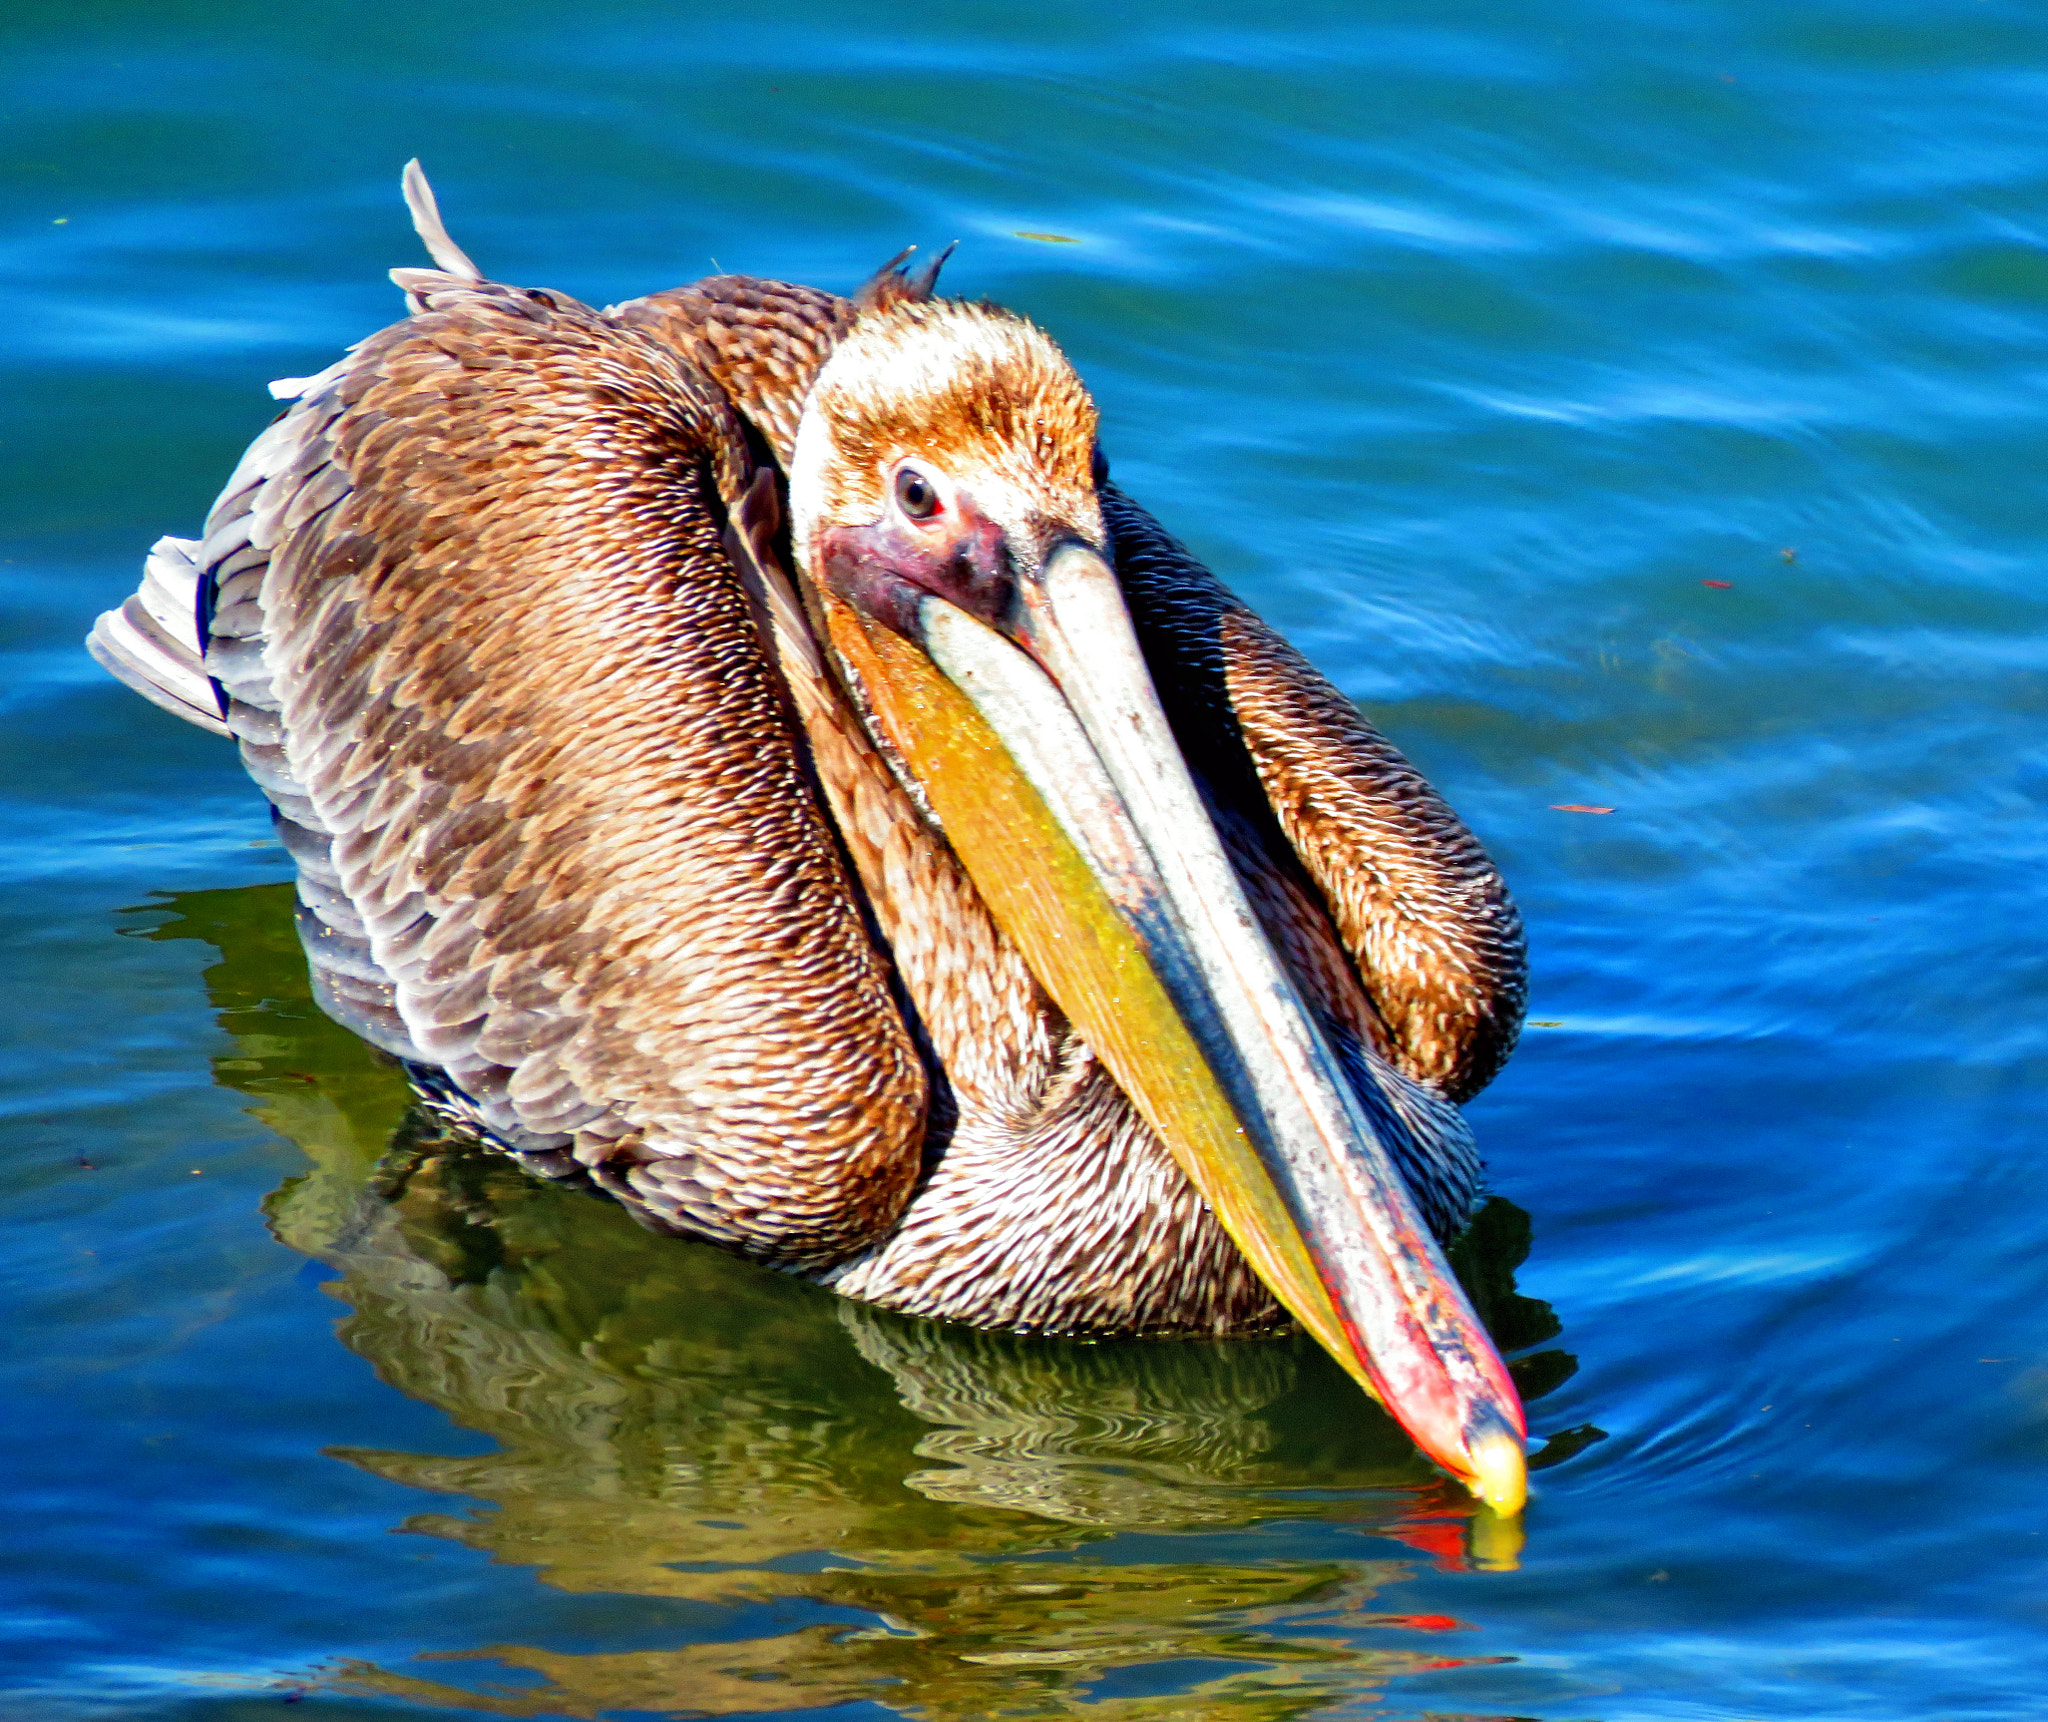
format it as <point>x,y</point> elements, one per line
<point>152,641</point>
<point>427,223</point>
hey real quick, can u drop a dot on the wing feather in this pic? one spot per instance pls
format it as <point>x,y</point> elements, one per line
<point>152,641</point>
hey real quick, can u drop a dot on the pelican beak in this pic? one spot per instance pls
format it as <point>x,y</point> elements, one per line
<point>1035,732</point>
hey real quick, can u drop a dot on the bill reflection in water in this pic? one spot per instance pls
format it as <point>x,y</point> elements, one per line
<point>967,1490</point>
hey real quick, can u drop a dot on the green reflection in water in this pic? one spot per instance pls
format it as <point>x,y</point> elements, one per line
<point>673,1422</point>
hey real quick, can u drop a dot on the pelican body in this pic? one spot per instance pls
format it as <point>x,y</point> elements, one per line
<point>740,749</point>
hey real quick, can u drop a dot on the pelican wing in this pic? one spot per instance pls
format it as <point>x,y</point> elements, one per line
<point>1419,906</point>
<point>485,647</point>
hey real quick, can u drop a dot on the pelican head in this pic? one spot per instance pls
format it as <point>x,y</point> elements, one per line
<point>949,535</point>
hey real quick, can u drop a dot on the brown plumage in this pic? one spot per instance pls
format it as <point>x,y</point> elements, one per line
<point>595,829</point>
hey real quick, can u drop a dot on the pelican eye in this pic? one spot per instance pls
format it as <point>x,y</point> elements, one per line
<point>916,495</point>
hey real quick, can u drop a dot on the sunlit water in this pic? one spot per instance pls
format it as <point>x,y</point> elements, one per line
<point>1633,406</point>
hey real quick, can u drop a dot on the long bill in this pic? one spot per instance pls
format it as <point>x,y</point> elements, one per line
<point>1045,755</point>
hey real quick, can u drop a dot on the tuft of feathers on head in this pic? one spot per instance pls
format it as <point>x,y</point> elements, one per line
<point>896,283</point>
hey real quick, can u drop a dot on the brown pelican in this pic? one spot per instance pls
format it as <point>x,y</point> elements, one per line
<point>740,749</point>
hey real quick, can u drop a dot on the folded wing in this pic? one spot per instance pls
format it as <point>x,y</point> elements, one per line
<point>471,604</point>
<point>1417,903</point>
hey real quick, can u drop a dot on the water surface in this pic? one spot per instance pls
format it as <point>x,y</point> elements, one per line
<point>1632,405</point>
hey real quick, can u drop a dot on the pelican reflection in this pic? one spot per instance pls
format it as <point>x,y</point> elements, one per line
<point>676,1422</point>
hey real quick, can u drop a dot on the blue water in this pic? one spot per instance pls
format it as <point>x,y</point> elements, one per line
<point>1632,405</point>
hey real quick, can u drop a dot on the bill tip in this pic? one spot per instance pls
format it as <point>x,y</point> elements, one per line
<point>1500,1472</point>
